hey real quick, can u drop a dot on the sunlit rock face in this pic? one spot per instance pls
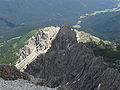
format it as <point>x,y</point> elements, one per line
<point>70,65</point>
<point>36,45</point>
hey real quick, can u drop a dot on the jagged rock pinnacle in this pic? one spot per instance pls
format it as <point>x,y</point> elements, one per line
<point>69,64</point>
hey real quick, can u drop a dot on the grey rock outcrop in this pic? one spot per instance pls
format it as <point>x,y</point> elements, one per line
<point>12,79</point>
<point>20,84</point>
<point>70,65</point>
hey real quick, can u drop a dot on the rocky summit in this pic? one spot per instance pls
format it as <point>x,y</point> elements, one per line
<point>52,37</point>
<point>69,64</point>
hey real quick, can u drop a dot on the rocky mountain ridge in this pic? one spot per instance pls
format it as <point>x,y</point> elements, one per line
<point>70,65</point>
<point>41,42</point>
<point>61,58</point>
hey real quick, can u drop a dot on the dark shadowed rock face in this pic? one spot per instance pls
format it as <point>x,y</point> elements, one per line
<point>64,39</point>
<point>73,66</point>
<point>8,72</point>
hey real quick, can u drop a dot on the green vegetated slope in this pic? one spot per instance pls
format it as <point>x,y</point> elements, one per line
<point>110,54</point>
<point>105,26</point>
<point>8,49</point>
<point>109,50</point>
<point>18,17</point>
<point>8,32</point>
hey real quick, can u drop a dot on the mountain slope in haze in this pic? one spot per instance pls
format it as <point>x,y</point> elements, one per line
<point>105,26</point>
<point>70,65</point>
<point>26,15</point>
<point>28,7</point>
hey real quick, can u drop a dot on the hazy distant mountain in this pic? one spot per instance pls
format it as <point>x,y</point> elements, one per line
<point>40,13</point>
<point>21,9</point>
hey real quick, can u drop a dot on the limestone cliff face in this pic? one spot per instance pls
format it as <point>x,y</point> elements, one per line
<point>71,65</point>
<point>37,44</point>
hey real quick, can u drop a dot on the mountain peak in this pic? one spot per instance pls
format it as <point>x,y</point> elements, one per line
<point>72,65</point>
<point>65,59</point>
<point>55,38</point>
<point>65,26</point>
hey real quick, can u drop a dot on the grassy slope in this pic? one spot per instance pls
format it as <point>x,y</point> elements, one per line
<point>110,54</point>
<point>42,13</point>
<point>9,48</point>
